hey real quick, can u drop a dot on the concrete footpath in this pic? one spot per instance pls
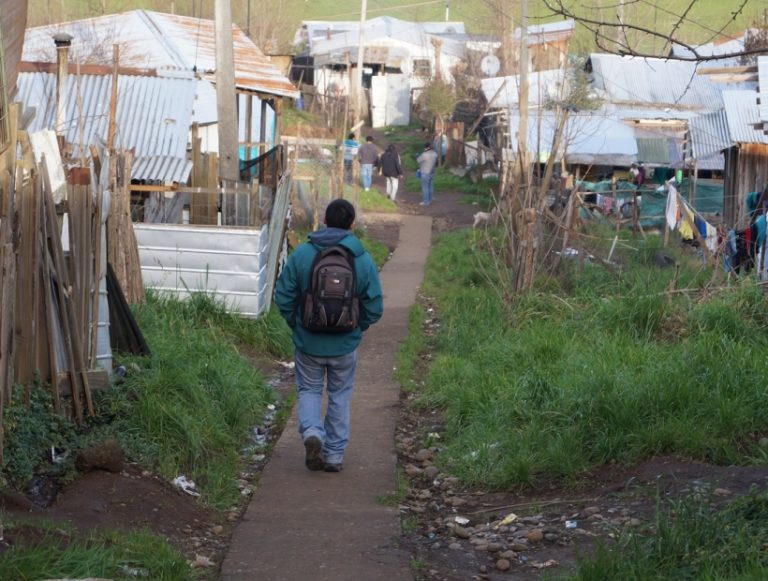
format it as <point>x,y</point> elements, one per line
<point>333,527</point>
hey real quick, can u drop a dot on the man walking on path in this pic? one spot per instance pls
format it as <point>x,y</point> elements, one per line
<point>322,357</point>
<point>427,161</point>
<point>369,159</point>
<point>392,170</point>
<point>350,153</point>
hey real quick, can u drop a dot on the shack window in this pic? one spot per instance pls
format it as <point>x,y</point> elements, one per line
<point>422,68</point>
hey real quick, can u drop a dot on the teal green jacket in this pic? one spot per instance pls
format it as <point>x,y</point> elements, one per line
<point>294,281</point>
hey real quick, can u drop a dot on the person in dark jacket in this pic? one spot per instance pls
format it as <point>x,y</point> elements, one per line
<point>368,154</point>
<point>323,357</point>
<point>392,169</point>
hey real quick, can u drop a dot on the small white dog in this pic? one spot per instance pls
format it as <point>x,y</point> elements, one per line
<point>486,219</point>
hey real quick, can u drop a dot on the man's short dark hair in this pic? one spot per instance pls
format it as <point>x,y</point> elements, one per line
<point>427,145</point>
<point>351,135</point>
<point>369,138</point>
<point>340,214</point>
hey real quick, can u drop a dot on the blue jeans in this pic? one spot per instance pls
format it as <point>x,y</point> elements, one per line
<point>311,375</point>
<point>348,171</point>
<point>426,188</point>
<point>366,171</point>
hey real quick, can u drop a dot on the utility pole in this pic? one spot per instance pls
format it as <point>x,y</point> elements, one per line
<point>229,167</point>
<point>447,10</point>
<point>360,57</point>
<point>523,89</point>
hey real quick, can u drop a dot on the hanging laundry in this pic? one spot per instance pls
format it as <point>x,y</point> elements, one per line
<point>686,230</point>
<point>710,238</point>
<point>671,212</point>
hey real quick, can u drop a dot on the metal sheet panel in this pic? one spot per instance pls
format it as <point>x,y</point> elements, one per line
<point>152,40</point>
<point>649,81</point>
<point>154,115</point>
<point>224,261</point>
<point>709,134</point>
<point>378,101</point>
<point>398,99</point>
<point>762,75</point>
<point>587,139</point>
<point>743,117</point>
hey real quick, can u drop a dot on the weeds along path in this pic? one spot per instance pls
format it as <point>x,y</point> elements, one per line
<point>336,527</point>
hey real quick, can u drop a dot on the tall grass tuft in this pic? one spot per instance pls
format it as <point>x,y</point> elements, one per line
<point>692,540</point>
<point>113,555</point>
<point>615,371</point>
<point>188,408</point>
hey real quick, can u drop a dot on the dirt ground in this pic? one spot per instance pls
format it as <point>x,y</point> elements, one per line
<point>443,547</point>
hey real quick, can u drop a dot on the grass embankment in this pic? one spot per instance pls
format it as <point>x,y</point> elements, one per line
<point>61,554</point>
<point>594,367</point>
<point>186,409</point>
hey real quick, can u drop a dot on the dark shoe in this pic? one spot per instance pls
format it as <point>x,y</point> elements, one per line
<point>314,457</point>
<point>333,467</point>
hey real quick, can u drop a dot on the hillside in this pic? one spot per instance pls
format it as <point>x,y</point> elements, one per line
<point>278,20</point>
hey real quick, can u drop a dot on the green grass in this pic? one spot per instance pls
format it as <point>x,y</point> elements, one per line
<point>189,407</point>
<point>53,553</point>
<point>692,540</point>
<point>605,368</point>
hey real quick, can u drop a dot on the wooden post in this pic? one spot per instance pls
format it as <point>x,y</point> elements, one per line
<point>225,92</point>
<point>112,128</point>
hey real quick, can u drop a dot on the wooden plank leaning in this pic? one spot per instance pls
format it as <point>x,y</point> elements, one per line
<point>72,338</point>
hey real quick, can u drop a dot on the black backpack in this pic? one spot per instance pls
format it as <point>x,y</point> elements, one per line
<point>331,303</point>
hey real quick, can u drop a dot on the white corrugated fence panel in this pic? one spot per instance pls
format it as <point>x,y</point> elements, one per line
<point>226,262</point>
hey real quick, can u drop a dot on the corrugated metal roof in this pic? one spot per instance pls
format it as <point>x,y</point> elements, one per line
<point>543,86</point>
<point>709,134</point>
<point>720,48</point>
<point>152,40</point>
<point>13,20</point>
<point>381,26</point>
<point>163,169</point>
<point>547,32</point>
<point>154,115</point>
<point>587,139</point>
<point>653,150</point>
<point>645,81</point>
<point>388,31</point>
<point>743,117</point>
<point>762,75</point>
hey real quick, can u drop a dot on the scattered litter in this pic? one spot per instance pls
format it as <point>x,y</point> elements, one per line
<point>186,485</point>
<point>58,456</point>
<point>508,520</point>
<point>134,571</point>
<point>545,564</point>
<point>201,561</point>
<point>271,407</point>
<point>258,457</point>
<point>288,364</point>
<point>571,524</point>
<point>461,520</point>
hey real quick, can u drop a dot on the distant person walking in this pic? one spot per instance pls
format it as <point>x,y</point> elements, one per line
<point>351,145</point>
<point>369,159</point>
<point>327,356</point>
<point>391,169</point>
<point>427,161</point>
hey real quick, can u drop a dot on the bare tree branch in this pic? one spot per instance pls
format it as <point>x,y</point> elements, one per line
<point>610,43</point>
